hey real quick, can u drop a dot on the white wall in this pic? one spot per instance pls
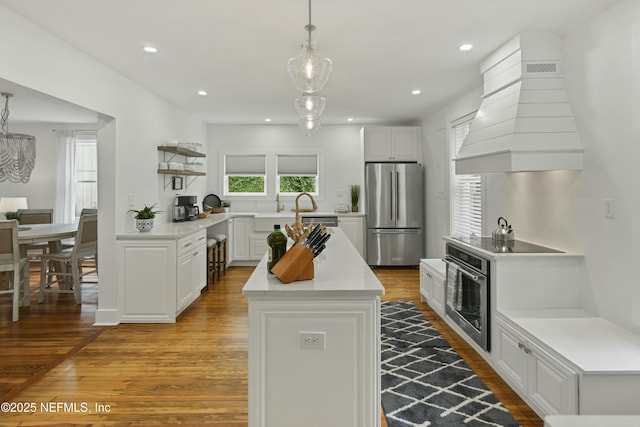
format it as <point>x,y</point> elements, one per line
<point>133,123</point>
<point>565,208</point>
<point>342,161</point>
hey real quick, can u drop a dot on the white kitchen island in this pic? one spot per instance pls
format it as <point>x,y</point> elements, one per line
<point>314,345</point>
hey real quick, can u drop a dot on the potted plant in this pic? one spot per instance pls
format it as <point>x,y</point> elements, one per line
<point>355,197</point>
<point>144,217</point>
<point>225,204</point>
<point>12,215</point>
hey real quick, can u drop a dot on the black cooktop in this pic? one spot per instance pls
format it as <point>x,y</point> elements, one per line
<point>513,246</point>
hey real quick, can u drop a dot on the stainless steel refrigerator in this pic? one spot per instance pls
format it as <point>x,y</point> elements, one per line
<point>394,198</point>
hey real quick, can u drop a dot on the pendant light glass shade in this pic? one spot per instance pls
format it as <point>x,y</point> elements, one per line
<point>309,126</point>
<point>310,106</point>
<point>309,71</point>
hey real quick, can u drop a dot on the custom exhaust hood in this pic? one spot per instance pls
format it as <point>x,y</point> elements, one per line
<point>524,122</point>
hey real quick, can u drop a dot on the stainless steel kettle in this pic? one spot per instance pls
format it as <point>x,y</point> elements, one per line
<point>504,232</point>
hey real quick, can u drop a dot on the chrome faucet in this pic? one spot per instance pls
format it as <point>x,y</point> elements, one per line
<point>279,207</point>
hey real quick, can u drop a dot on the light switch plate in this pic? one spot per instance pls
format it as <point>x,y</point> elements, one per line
<point>609,208</point>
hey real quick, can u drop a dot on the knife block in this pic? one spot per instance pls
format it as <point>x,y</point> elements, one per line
<point>295,264</point>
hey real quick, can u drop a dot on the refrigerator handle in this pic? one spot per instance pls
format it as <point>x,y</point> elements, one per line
<point>397,194</point>
<point>391,195</point>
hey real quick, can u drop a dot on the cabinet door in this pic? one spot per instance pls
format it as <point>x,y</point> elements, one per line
<point>242,227</point>
<point>377,143</point>
<point>147,295</point>
<point>511,359</point>
<point>257,246</point>
<point>199,270</point>
<point>426,285</point>
<point>184,285</point>
<point>438,293</point>
<point>404,143</point>
<point>354,229</point>
<point>230,241</point>
<point>552,386</point>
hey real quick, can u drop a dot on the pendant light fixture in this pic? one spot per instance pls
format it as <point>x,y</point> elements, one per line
<point>310,106</point>
<point>309,73</point>
<point>309,126</point>
<point>308,70</point>
<point>17,151</point>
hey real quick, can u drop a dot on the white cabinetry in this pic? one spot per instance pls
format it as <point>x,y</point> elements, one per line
<point>242,229</point>
<point>353,227</point>
<point>391,143</point>
<point>159,278</point>
<point>191,270</point>
<point>546,383</point>
<point>432,283</point>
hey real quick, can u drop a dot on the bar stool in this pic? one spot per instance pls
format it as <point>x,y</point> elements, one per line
<point>221,265</point>
<point>212,260</point>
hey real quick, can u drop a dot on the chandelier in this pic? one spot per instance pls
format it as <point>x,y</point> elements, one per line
<point>309,73</point>
<point>17,151</point>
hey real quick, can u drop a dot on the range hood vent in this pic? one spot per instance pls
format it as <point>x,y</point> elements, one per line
<point>524,122</point>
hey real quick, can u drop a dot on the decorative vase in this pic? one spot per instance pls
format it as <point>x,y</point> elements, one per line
<point>354,209</point>
<point>144,224</point>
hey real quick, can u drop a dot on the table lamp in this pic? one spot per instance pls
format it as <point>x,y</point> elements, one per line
<point>9,206</point>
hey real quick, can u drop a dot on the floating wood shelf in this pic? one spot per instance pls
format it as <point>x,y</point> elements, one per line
<point>180,150</point>
<point>180,172</point>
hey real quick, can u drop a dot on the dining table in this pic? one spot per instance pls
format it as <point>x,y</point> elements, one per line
<point>54,234</point>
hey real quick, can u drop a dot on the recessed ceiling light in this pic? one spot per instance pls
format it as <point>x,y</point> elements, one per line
<point>465,47</point>
<point>268,120</point>
<point>202,92</point>
<point>416,92</point>
<point>150,49</point>
<point>350,119</point>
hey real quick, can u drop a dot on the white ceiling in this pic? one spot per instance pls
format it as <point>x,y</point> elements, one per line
<point>237,50</point>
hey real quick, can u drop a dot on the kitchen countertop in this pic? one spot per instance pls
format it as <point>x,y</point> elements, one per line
<point>178,230</point>
<point>503,256</point>
<point>340,272</point>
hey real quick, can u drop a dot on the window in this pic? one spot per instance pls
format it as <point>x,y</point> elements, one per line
<point>465,190</point>
<point>244,174</point>
<point>297,174</point>
<point>86,172</point>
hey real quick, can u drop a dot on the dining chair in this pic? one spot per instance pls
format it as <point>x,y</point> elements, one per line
<point>14,266</point>
<point>72,259</point>
<point>36,216</point>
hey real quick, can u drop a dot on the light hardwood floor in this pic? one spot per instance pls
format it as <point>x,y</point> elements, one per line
<point>191,372</point>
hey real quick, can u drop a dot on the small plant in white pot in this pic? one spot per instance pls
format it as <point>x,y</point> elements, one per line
<point>144,217</point>
<point>225,205</point>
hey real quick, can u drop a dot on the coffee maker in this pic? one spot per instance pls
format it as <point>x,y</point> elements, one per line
<point>185,208</point>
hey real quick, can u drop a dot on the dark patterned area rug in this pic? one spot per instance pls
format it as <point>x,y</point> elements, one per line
<point>425,382</point>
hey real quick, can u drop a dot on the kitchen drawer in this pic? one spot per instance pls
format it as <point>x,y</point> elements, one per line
<point>187,244</point>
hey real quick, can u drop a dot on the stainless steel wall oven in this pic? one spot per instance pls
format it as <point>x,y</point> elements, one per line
<point>467,293</point>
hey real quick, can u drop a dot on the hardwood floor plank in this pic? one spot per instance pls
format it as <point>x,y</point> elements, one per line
<point>191,372</point>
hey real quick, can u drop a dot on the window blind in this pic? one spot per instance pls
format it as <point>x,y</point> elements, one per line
<point>245,164</point>
<point>465,191</point>
<point>298,164</point>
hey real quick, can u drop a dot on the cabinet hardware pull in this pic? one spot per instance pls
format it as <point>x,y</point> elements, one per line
<point>186,244</point>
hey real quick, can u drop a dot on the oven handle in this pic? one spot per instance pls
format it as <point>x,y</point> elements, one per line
<point>473,276</point>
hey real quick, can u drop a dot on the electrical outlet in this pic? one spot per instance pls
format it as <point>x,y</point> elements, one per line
<point>131,200</point>
<point>313,340</point>
<point>339,193</point>
<point>609,208</point>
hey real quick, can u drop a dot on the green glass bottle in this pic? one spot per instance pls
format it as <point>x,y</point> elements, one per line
<point>277,242</point>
